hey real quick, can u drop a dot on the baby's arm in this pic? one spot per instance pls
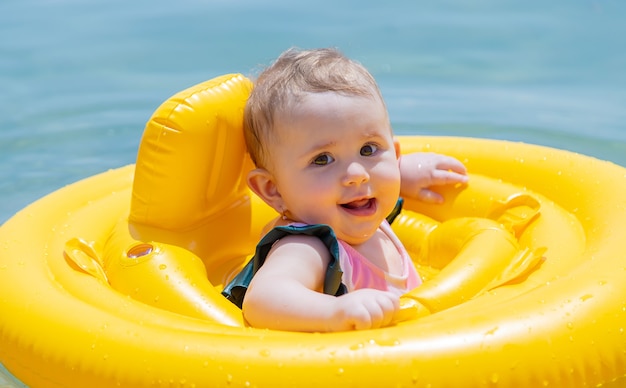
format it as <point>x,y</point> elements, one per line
<point>286,293</point>
<point>421,170</point>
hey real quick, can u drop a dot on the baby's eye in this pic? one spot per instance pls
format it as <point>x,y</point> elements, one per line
<point>368,150</point>
<point>322,160</point>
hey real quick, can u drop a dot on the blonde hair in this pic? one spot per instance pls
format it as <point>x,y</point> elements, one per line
<point>293,75</point>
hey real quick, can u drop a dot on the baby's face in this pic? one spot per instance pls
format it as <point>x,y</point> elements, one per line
<point>334,162</point>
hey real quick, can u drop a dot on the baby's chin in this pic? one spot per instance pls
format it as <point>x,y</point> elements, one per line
<point>355,238</point>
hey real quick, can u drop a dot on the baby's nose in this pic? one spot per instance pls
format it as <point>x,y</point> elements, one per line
<point>356,173</point>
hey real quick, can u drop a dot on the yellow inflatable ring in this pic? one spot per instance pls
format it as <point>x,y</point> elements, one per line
<point>115,280</point>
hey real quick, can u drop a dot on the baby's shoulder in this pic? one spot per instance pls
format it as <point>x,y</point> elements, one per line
<point>306,239</point>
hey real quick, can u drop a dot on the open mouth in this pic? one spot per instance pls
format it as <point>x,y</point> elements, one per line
<point>361,205</point>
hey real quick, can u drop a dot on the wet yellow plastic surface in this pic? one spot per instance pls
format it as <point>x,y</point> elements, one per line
<point>115,280</point>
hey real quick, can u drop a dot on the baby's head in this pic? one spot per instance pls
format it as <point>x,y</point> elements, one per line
<point>318,131</point>
<point>292,76</point>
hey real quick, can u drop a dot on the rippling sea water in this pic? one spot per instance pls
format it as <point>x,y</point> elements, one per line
<point>79,79</point>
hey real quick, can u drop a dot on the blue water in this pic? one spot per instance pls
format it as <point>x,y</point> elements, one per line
<point>79,79</point>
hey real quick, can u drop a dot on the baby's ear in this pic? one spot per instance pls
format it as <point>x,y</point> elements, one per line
<point>396,144</point>
<point>262,183</point>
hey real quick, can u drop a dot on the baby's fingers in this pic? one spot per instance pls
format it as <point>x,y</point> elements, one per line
<point>447,177</point>
<point>378,312</point>
<point>365,308</point>
<point>448,163</point>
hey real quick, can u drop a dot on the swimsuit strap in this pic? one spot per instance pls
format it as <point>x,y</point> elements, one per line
<point>396,210</point>
<point>235,291</point>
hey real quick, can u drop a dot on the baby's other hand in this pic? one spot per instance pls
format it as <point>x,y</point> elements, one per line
<point>422,170</point>
<point>364,309</point>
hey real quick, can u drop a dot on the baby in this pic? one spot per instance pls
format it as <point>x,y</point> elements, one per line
<point>318,131</point>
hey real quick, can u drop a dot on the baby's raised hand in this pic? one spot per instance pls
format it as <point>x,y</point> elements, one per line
<point>422,170</point>
<point>364,309</point>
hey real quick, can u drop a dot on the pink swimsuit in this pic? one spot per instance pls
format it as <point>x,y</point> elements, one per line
<point>359,272</point>
<point>347,271</point>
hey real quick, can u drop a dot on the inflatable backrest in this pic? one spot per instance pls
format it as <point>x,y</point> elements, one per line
<point>189,189</point>
<point>191,160</point>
